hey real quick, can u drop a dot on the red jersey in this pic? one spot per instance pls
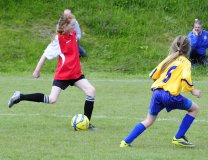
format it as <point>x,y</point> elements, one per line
<point>65,47</point>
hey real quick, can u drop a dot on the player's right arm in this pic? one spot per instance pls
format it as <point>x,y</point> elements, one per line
<point>155,74</point>
<point>52,51</point>
<point>36,73</point>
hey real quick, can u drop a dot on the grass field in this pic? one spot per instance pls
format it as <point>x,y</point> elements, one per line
<point>38,131</point>
<point>119,35</point>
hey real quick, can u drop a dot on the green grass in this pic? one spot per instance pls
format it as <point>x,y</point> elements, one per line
<point>39,131</point>
<point>125,40</point>
<point>120,35</point>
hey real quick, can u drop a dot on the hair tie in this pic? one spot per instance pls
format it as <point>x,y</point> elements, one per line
<point>178,49</point>
<point>180,52</point>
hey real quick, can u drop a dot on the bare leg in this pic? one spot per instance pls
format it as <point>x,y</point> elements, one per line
<point>55,92</point>
<point>86,87</point>
<point>90,91</point>
<point>149,120</point>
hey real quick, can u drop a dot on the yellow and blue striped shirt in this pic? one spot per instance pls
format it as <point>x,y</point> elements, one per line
<point>175,78</point>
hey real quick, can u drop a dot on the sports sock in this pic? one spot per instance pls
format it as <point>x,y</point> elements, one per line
<point>185,124</point>
<point>138,129</point>
<point>88,107</point>
<point>35,97</point>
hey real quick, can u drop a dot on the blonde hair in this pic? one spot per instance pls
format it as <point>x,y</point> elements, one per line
<point>180,46</point>
<point>63,22</point>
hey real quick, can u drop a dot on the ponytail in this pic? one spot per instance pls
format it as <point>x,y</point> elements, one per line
<point>180,46</point>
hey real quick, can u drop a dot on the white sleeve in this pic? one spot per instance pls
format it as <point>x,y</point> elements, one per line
<point>53,49</point>
<point>78,31</point>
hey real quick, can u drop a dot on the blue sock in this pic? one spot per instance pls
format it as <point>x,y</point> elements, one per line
<point>138,129</point>
<point>185,124</point>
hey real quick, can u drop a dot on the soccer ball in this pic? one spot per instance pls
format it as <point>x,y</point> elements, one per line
<point>80,122</point>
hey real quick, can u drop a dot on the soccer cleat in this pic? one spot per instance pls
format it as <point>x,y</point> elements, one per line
<point>124,144</point>
<point>91,127</point>
<point>14,99</point>
<point>183,141</point>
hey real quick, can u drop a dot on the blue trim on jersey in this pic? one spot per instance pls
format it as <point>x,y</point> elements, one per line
<point>187,82</point>
<point>153,72</point>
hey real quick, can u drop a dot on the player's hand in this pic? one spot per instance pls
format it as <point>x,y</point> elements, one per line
<point>196,92</point>
<point>195,32</point>
<point>36,74</point>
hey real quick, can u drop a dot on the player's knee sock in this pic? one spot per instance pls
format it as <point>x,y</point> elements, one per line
<point>138,129</point>
<point>35,97</point>
<point>185,124</point>
<point>88,107</point>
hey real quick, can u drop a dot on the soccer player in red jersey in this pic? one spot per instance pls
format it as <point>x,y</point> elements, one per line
<point>68,71</point>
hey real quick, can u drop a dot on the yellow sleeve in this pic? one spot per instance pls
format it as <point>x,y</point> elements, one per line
<point>155,74</point>
<point>187,84</point>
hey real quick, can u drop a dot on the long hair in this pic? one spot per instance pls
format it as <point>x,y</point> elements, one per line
<point>63,22</point>
<point>180,46</point>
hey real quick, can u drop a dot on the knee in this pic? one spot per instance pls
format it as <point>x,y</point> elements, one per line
<point>52,100</point>
<point>194,109</point>
<point>197,109</point>
<point>147,123</point>
<point>91,91</point>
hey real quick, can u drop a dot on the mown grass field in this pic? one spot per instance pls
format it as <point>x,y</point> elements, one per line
<point>119,35</point>
<point>38,131</point>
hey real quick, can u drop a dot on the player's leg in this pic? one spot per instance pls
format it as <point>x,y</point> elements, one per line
<point>55,92</point>
<point>82,52</point>
<point>90,91</point>
<point>137,130</point>
<point>35,97</point>
<point>155,107</point>
<point>180,138</point>
<point>202,60</point>
<point>193,57</point>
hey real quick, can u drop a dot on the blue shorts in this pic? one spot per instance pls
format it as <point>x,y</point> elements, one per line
<point>162,99</point>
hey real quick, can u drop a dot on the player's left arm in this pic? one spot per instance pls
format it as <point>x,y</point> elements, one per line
<point>187,84</point>
<point>196,92</point>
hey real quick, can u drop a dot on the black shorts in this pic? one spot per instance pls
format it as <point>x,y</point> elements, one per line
<point>63,84</point>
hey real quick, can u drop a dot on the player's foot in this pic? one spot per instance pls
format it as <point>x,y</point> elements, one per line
<point>14,99</point>
<point>183,141</point>
<point>91,127</point>
<point>124,144</point>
